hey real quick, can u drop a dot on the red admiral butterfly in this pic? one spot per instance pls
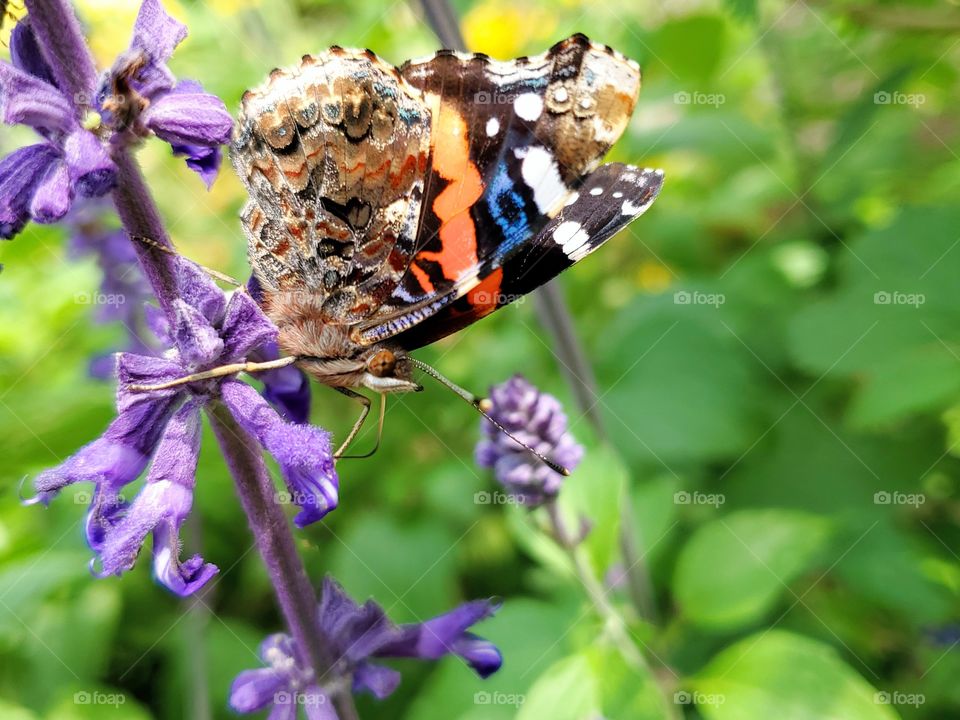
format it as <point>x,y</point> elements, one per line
<point>391,207</point>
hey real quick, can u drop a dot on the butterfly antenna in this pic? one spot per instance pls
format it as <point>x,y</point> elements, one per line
<point>483,406</point>
<point>215,274</point>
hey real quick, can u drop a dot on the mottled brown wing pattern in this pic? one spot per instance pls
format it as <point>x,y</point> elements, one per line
<point>333,153</point>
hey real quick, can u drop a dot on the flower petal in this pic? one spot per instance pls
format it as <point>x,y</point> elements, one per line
<point>286,388</point>
<point>205,161</point>
<point>253,690</point>
<point>161,508</point>
<point>189,118</point>
<point>51,199</point>
<point>197,341</point>
<point>92,172</point>
<point>199,291</point>
<point>302,451</point>
<point>316,705</point>
<point>375,679</point>
<point>144,370</point>
<point>20,172</point>
<point>26,55</point>
<point>118,456</point>
<point>28,100</point>
<point>156,34</point>
<point>356,631</point>
<point>245,328</point>
<point>447,634</point>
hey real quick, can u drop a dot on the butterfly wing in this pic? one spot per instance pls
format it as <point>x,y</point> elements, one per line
<point>333,153</point>
<point>610,198</point>
<point>510,142</point>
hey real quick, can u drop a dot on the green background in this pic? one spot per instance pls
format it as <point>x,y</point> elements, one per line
<point>810,151</point>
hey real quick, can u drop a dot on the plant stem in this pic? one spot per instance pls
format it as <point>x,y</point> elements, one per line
<point>271,532</point>
<point>555,316</point>
<point>616,626</point>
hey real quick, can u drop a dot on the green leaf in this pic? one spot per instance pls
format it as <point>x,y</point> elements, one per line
<point>568,690</point>
<point>777,674</point>
<point>733,570</point>
<point>596,682</point>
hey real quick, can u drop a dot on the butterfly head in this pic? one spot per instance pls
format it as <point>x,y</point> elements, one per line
<point>381,369</point>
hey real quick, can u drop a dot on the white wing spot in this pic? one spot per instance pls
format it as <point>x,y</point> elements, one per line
<point>574,196</point>
<point>618,194</point>
<point>596,191</point>
<point>493,127</point>
<point>570,236</point>
<point>540,173</point>
<point>528,106</point>
<point>630,209</point>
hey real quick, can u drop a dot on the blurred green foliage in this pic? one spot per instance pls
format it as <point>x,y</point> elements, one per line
<point>777,345</point>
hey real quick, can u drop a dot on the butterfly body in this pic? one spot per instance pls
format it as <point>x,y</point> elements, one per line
<point>390,207</point>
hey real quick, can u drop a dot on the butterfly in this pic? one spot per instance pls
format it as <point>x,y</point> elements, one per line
<point>390,207</point>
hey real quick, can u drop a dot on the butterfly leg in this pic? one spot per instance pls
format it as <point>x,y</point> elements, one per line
<point>365,402</point>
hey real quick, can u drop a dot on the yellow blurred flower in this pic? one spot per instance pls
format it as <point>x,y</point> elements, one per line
<point>654,277</point>
<point>505,30</point>
<point>225,8</point>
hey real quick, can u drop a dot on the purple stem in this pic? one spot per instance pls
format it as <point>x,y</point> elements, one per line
<point>64,46</point>
<point>271,532</point>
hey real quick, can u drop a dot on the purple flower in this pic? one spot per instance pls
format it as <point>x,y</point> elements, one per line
<point>41,181</point>
<point>356,635</point>
<point>206,331</point>
<point>139,96</point>
<point>123,291</point>
<point>537,419</point>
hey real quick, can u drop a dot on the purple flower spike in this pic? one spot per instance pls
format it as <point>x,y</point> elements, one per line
<point>538,420</point>
<point>40,181</point>
<point>194,123</point>
<point>206,331</point>
<point>355,634</point>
